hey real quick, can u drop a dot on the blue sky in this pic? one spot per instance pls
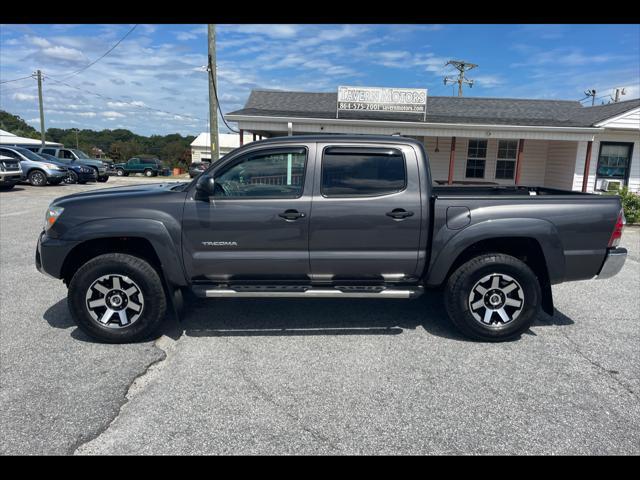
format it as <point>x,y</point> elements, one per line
<point>153,82</point>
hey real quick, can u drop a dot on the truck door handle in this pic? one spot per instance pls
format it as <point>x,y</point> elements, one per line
<point>399,213</point>
<point>291,214</point>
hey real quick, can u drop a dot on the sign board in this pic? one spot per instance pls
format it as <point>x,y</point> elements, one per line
<point>382,100</point>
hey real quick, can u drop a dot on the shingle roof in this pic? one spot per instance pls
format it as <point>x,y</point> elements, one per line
<point>469,110</point>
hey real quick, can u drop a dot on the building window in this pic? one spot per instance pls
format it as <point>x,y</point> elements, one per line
<point>476,158</point>
<point>614,161</point>
<point>506,163</point>
<point>348,172</point>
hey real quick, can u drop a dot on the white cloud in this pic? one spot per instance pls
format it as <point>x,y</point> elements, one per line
<point>23,97</point>
<point>87,114</point>
<point>273,31</point>
<point>135,103</point>
<point>63,53</point>
<point>112,115</point>
<point>38,41</point>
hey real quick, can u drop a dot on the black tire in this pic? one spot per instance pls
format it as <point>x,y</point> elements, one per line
<point>37,178</point>
<point>461,293</point>
<point>148,173</point>
<point>120,172</point>
<point>71,178</point>
<point>150,285</point>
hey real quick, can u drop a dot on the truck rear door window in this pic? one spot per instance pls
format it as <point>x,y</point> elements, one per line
<point>366,172</point>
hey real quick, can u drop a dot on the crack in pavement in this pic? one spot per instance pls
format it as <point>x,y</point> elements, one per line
<point>266,396</point>
<point>575,347</point>
<point>167,346</point>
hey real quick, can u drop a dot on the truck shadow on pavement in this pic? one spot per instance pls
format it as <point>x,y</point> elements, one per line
<point>304,317</point>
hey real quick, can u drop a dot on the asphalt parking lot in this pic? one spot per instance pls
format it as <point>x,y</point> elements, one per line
<point>312,376</point>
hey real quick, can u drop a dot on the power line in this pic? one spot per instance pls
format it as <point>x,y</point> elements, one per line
<point>17,79</point>
<point>137,105</point>
<point>102,56</point>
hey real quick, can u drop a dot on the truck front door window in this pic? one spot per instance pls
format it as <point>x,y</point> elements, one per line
<point>272,175</point>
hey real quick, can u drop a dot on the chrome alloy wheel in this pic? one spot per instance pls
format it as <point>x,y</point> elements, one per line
<point>496,300</point>
<point>114,301</point>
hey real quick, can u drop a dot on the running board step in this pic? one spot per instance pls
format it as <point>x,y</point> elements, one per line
<point>286,291</point>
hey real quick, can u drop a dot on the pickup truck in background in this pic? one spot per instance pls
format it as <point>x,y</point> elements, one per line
<point>150,167</point>
<point>326,216</point>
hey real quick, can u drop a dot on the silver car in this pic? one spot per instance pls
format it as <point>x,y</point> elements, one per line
<point>35,169</point>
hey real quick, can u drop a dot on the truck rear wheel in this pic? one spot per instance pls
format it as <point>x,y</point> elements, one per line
<point>117,298</point>
<point>493,297</point>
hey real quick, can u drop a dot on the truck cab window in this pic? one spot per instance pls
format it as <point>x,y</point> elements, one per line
<point>272,175</point>
<point>362,172</point>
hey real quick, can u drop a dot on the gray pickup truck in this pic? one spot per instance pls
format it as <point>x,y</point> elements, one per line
<point>319,217</point>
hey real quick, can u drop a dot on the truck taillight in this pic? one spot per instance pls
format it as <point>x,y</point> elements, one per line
<point>614,241</point>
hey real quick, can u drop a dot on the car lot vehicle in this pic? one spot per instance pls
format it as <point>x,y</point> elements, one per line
<point>10,172</point>
<point>325,217</point>
<point>196,168</point>
<point>76,172</point>
<point>80,157</point>
<point>35,169</point>
<point>150,167</point>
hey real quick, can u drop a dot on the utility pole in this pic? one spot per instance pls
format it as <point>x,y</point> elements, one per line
<point>213,103</point>
<point>592,94</point>
<point>462,67</point>
<point>39,73</point>
<point>76,130</point>
<point>619,91</point>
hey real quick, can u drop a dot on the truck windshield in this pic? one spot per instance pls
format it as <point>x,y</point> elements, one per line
<point>80,154</point>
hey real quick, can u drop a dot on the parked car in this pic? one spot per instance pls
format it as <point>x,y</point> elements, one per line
<point>378,229</point>
<point>196,168</point>
<point>79,156</point>
<point>76,172</point>
<point>10,172</point>
<point>150,167</point>
<point>35,169</point>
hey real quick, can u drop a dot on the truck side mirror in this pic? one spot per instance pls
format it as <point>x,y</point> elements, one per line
<point>205,186</point>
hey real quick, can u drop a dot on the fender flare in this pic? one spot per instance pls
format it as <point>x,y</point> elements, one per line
<point>155,231</point>
<point>542,231</point>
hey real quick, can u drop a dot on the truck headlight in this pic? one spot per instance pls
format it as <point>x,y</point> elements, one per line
<point>53,213</point>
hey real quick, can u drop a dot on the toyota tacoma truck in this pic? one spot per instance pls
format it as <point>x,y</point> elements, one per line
<point>325,217</point>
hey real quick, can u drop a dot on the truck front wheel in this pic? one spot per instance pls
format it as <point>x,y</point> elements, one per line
<point>117,298</point>
<point>493,297</point>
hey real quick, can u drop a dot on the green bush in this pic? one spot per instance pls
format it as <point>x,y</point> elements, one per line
<point>630,204</point>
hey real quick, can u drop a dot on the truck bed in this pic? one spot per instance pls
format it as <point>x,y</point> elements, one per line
<point>483,191</point>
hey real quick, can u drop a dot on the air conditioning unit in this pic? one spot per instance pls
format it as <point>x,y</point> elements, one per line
<point>610,185</point>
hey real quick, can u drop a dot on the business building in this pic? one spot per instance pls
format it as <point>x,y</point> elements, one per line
<point>554,143</point>
<point>201,146</point>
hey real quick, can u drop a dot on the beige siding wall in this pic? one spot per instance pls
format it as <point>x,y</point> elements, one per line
<point>534,162</point>
<point>561,159</point>
<point>533,166</point>
<point>439,161</point>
